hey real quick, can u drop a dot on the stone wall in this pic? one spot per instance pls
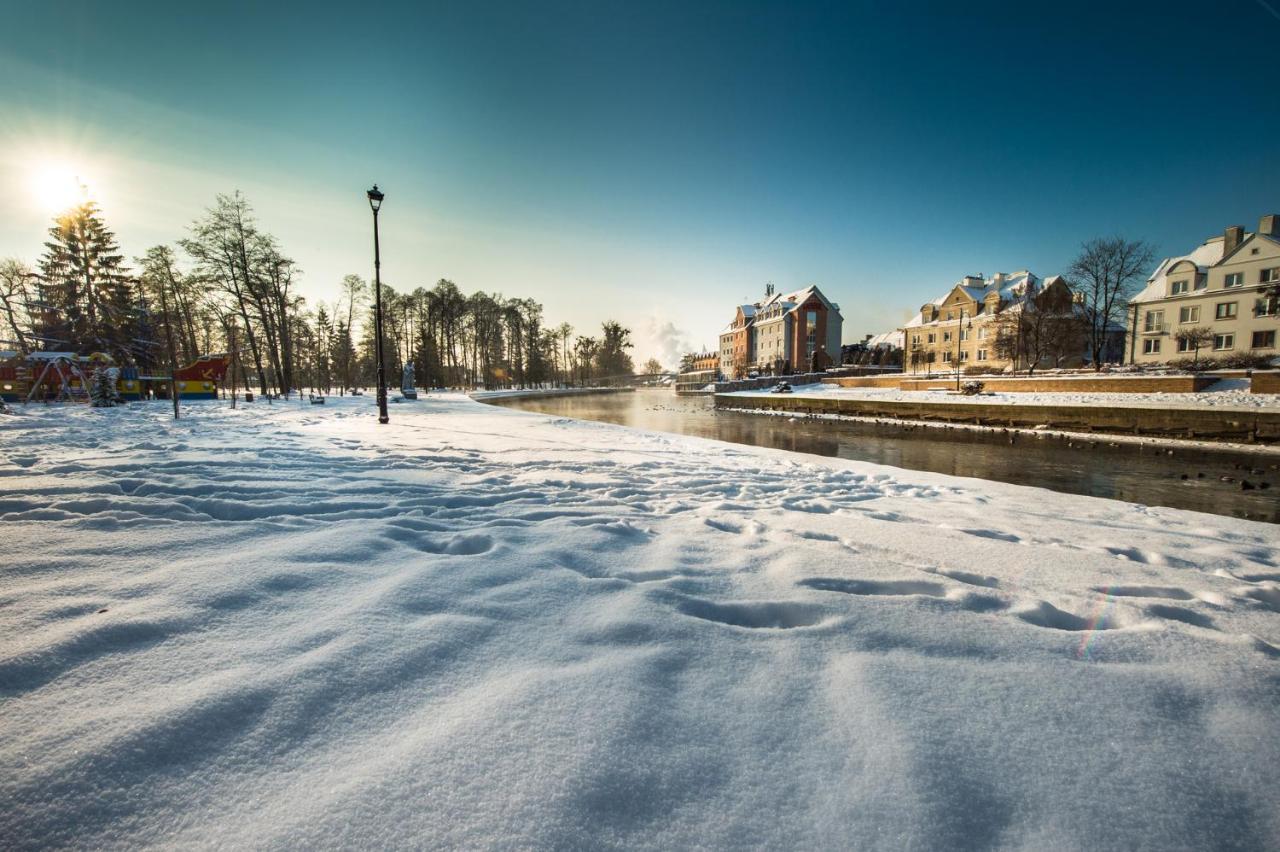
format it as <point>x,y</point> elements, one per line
<point>1043,384</point>
<point>1202,423</point>
<point>1265,382</point>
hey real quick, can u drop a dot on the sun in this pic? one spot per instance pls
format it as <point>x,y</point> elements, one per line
<point>57,187</point>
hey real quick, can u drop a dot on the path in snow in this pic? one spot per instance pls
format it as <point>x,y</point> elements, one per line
<point>288,626</point>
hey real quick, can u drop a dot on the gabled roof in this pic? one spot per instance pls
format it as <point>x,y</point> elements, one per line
<point>1010,288</point>
<point>887,339</point>
<point>1206,255</point>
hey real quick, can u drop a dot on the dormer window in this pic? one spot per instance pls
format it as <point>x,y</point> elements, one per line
<point>1177,288</point>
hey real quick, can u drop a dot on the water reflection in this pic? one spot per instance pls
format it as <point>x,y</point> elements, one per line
<point>1124,472</point>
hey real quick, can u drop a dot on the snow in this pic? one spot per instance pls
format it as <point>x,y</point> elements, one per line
<point>286,626</point>
<point>1225,394</point>
<point>1209,253</point>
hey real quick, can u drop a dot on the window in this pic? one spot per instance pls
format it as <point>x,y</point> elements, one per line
<point>964,334</point>
<point>964,355</point>
<point>946,357</point>
<point>1185,346</point>
<point>1269,276</point>
<point>1233,279</point>
<point>1177,288</point>
<point>1264,308</point>
<point>1191,313</point>
<point>1201,283</point>
<point>1225,310</point>
<point>1154,321</point>
<point>982,333</point>
<point>1151,346</point>
<point>915,340</point>
<point>1224,341</point>
<point>933,338</point>
<point>946,337</point>
<point>982,354</point>
<point>1263,340</point>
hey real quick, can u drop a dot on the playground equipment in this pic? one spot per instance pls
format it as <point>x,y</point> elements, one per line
<point>64,377</point>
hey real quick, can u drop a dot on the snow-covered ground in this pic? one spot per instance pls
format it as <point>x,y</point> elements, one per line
<point>287,626</point>
<point>1225,393</point>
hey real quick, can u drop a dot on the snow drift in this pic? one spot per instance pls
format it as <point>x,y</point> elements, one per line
<point>287,626</point>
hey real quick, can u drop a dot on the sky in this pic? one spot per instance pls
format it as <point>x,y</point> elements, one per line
<point>658,162</point>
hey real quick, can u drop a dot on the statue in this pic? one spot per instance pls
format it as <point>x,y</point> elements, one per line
<point>406,382</point>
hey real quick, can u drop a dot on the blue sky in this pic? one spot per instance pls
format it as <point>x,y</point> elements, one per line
<point>653,162</point>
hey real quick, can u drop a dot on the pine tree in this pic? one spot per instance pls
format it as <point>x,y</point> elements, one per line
<point>88,294</point>
<point>102,390</point>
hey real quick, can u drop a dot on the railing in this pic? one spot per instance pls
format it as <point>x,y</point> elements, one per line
<point>1155,328</point>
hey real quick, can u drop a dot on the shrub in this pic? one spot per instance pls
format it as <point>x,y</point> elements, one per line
<point>1192,365</point>
<point>1246,361</point>
<point>971,388</point>
<point>976,370</point>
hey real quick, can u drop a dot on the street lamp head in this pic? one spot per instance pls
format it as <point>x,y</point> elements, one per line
<point>375,198</point>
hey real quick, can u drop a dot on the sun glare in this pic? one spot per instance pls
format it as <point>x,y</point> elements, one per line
<point>55,187</point>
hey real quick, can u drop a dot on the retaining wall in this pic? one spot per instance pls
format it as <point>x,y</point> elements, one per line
<point>1207,423</point>
<point>1265,382</point>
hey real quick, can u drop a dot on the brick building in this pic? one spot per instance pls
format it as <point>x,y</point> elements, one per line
<point>781,334</point>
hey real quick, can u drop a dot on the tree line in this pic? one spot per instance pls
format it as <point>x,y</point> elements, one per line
<point>228,286</point>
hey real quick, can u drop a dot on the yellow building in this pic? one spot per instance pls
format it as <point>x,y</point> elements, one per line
<point>1226,287</point>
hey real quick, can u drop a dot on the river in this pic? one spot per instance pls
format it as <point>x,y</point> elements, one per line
<point>1099,467</point>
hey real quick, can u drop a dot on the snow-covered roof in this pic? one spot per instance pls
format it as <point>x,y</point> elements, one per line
<point>1207,254</point>
<point>887,340</point>
<point>1009,287</point>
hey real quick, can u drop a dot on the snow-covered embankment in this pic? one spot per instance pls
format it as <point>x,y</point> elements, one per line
<point>478,626</point>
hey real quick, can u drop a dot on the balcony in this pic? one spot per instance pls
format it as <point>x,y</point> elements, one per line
<point>1155,328</point>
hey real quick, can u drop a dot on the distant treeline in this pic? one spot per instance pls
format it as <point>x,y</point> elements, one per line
<point>228,287</point>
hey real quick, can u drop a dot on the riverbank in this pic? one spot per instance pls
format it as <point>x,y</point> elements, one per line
<point>1230,414</point>
<point>291,626</point>
<point>543,393</point>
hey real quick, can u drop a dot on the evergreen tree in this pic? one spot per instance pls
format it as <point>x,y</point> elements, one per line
<point>612,357</point>
<point>102,392</point>
<point>88,294</point>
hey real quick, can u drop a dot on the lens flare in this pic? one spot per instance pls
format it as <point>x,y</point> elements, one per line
<point>56,187</point>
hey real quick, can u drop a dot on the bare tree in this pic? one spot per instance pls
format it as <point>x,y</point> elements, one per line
<point>1107,273</point>
<point>15,300</point>
<point>1193,338</point>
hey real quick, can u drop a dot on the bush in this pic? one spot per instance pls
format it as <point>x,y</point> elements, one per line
<point>1246,361</point>
<point>1191,365</point>
<point>976,370</point>
<point>971,388</point>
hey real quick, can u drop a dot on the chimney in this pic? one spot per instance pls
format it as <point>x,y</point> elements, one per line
<point>1269,225</point>
<point>1232,238</point>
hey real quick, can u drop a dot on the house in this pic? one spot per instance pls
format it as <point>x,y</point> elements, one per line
<point>884,349</point>
<point>737,343</point>
<point>985,322</point>
<point>1227,287</point>
<point>791,329</point>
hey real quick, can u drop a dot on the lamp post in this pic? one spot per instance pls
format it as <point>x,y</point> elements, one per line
<point>375,201</point>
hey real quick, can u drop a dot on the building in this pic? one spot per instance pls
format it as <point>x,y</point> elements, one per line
<point>782,334</point>
<point>1226,287</point>
<point>963,326</point>
<point>703,361</point>
<point>737,343</point>
<point>881,350</point>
